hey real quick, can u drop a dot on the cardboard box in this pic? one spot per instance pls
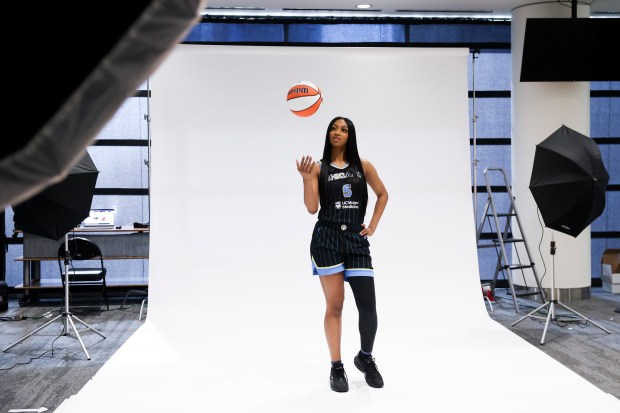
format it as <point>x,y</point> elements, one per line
<point>611,256</point>
<point>610,267</point>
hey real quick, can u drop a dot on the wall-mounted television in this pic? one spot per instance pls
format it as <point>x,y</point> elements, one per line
<point>571,49</point>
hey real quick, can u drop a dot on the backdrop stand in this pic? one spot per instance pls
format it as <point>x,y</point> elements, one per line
<point>474,121</point>
<point>551,304</point>
<point>67,317</point>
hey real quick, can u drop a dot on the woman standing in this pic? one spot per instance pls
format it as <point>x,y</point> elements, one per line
<point>339,248</point>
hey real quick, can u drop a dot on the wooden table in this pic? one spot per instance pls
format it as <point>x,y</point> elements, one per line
<point>125,243</point>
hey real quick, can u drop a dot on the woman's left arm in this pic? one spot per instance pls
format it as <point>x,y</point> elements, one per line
<point>373,180</point>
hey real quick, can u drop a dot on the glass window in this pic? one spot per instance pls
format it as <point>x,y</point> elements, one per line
<point>604,117</point>
<point>120,166</point>
<point>493,117</point>
<point>8,220</point>
<point>14,269</point>
<point>346,33</point>
<point>502,205</point>
<point>611,159</point>
<point>492,71</point>
<point>487,261</point>
<point>610,218</point>
<point>493,156</point>
<point>128,122</point>
<point>460,33</point>
<point>235,32</point>
<point>605,85</point>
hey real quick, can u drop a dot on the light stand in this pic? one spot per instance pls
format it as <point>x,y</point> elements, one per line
<point>474,120</point>
<point>67,317</point>
<point>147,162</point>
<point>553,302</point>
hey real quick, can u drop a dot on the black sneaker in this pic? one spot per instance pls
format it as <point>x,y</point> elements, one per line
<point>338,379</point>
<point>366,364</point>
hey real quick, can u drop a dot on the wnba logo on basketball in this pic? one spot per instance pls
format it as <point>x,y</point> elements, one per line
<point>296,91</point>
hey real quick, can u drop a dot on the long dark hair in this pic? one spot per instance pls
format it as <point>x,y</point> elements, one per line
<point>351,154</point>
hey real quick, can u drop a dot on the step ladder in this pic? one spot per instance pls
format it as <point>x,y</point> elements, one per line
<point>500,224</point>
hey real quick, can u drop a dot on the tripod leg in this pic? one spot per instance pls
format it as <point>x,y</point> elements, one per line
<point>585,318</point>
<point>529,314</point>
<point>77,334</point>
<point>87,326</point>
<point>549,315</point>
<point>34,332</point>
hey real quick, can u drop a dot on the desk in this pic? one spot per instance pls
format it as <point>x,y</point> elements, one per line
<point>115,244</point>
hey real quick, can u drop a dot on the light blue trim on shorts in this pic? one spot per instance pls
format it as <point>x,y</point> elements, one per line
<point>316,270</point>
<point>358,272</point>
<point>334,269</point>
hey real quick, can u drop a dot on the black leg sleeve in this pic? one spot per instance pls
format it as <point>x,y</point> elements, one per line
<point>364,292</point>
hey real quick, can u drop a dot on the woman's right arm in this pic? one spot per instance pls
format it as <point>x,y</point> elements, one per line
<point>309,171</point>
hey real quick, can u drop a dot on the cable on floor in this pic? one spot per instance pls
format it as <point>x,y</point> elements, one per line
<point>33,358</point>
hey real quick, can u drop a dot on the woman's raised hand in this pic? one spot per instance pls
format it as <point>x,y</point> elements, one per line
<point>305,166</point>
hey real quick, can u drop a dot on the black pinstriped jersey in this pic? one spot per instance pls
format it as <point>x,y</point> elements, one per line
<point>343,195</point>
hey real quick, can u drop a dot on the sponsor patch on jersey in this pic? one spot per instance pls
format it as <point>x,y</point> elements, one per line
<point>350,205</point>
<point>339,175</point>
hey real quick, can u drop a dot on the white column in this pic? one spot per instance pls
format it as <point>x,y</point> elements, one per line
<point>538,109</point>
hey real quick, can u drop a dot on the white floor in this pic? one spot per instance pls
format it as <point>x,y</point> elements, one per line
<point>254,346</point>
<point>449,368</point>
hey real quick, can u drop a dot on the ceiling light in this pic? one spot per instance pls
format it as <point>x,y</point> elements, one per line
<point>364,6</point>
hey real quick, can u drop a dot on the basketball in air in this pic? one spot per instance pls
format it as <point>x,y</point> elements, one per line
<point>304,99</point>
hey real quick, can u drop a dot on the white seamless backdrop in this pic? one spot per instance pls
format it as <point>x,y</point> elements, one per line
<point>235,317</point>
<point>228,199</point>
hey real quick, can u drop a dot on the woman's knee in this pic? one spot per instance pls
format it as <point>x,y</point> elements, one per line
<point>335,306</point>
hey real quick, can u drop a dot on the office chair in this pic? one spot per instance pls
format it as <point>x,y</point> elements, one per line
<point>82,249</point>
<point>141,293</point>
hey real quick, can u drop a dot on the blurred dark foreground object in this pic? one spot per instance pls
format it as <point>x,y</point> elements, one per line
<point>76,88</point>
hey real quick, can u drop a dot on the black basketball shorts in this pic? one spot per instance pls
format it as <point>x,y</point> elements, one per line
<point>340,248</point>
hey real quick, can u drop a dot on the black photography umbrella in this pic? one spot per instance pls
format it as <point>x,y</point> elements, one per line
<point>61,207</point>
<point>568,181</point>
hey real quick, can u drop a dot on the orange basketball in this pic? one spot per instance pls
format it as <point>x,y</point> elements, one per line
<point>304,99</point>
